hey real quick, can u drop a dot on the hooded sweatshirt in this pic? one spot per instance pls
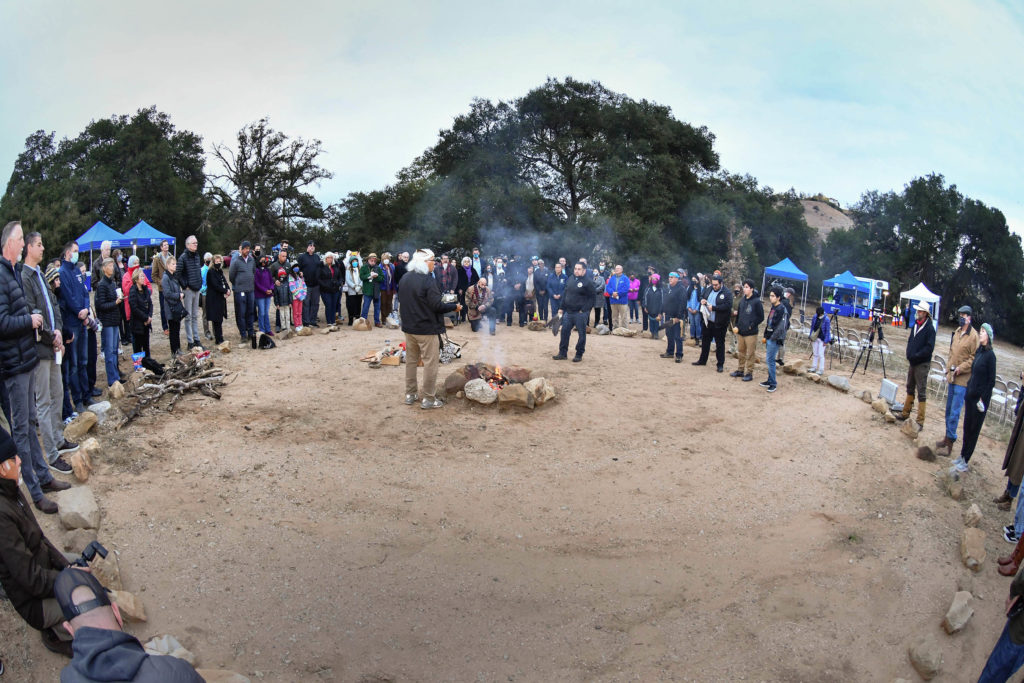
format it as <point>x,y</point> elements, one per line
<point>104,655</point>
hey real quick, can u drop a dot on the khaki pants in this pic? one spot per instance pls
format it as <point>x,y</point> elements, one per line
<point>747,349</point>
<point>427,348</point>
<point>620,315</point>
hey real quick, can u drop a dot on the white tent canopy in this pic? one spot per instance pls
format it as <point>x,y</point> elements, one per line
<point>922,293</point>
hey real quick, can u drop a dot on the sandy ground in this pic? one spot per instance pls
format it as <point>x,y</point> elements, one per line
<point>656,522</point>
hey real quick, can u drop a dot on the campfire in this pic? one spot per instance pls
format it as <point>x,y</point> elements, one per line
<point>497,381</point>
<point>487,384</point>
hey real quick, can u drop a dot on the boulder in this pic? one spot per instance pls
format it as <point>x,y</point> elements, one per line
<point>78,508</point>
<point>536,325</point>
<point>221,676</point>
<point>959,613</point>
<point>839,382</point>
<point>224,347</point>
<point>790,369</point>
<point>602,329</point>
<point>889,417</point>
<point>972,515</point>
<point>76,540</point>
<point>541,389</point>
<point>80,426</point>
<point>910,428</point>
<point>107,571</point>
<point>169,645</point>
<point>624,332</point>
<point>516,395</point>
<point>363,325</point>
<point>454,382</point>
<point>100,409</point>
<point>516,373</point>
<point>880,406</point>
<point>814,377</point>
<point>480,391</point>
<point>91,449</point>
<point>328,330</point>
<point>471,371</point>
<point>866,396</point>
<point>926,656</point>
<point>80,467</point>
<point>306,331</point>
<point>130,606</point>
<point>972,548</point>
<point>925,453</point>
<point>116,390</point>
<point>955,489</point>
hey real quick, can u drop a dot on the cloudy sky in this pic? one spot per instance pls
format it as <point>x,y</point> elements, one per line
<point>836,97</point>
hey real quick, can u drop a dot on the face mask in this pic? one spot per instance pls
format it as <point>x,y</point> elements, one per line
<point>218,266</point>
<point>963,321</point>
<point>387,261</point>
<point>74,257</point>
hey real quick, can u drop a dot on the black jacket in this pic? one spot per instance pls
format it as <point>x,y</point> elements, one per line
<point>29,563</point>
<point>921,344</point>
<point>17,340</point>
<point>464,282</point>
<point>329,281</point>
<point>654,300</point>
<point>216,288</point>
<point>35,292</point>
<point>421,305</point>
<point>675,302</point>
<point>579,294</point>
<point>190,273</point>
<point>141,305</point>
<point>309,264</point>
<point>107,309</point>
<point>751,314</point>
<point>722,307</point>
<point>983,376</point>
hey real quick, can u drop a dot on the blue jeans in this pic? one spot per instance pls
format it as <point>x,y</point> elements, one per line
<point>110,337</point>
<point>376,307</point>
<point>569,321</point>
<point>78,371</point>
<point>555,305</point>
<point>695,322</point>
<point>331,302</point>
<point>245,308</point>
<point>1005,659</point>
<point>675,342</point>
<point>654,325</point>
<point>954,404</point>
<point>263,308</point>
<point>773,351</point>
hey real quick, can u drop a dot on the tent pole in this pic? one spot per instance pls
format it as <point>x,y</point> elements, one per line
<point>764,278</point>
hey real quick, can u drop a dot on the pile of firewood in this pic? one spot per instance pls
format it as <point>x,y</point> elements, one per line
<point>186,374</point>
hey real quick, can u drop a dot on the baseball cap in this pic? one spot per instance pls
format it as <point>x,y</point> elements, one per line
<point>245,244</point>
<point>717,276</point>
<point>66,583</point>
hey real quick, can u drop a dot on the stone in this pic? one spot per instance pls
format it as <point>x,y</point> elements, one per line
<point>224,347</point>
<point>91,448</point>
<point>814,377</point>
<point>602,329</point>
<point>880,406</point>
<point>333,328</point>
<point>866,396</point>
<point>454,382</point>
<point>76,540</point>
<point>100,409</point>
<point>515,373</point>
<point>480,391</point>
<point>80,468</point>
<point>306,331</point>
<point>129,605</point>
<point>956,489</point>
<point>590,330</point>
<point>536,325</point>
<point>959,613</point>
<point>107,571</point>
<point>80,426</point>
<point>972,548</point>
<point>624,332</point>
<point>840,383</point>
<point>789,369</point>
<point>286,334</point>
<point>925,453</point>
<point>169,645</point>
<point>516,395</point>
<point>910,428</point>
<point>326,330</point>
<point>889,417</point>
<point>541,389</point>
<point>78,509</point>
<point>362,325</point>
<point>926,656</point>
<point>461,394</point>
<point>972,515</point>
<point>799,366</point>
<point>222,676</point>
<point>116,390</point>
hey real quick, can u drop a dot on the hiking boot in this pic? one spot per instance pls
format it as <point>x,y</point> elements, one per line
<point>748,378</point>
<point>577,358</point>
<point>46,506</point>
<point>665,355</point>
<point>557,357</point>
<point>55,485</point>
<point>60,465</point>
<point>735,373</point>
<point>55,644</point>
<point>411,398</point>
<point>431,403</point>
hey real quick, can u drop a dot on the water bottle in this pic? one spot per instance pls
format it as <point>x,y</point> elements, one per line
<point>387,346</point>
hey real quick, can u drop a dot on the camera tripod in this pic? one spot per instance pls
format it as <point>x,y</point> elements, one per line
<point>876,327</point>
<point>833,323</point>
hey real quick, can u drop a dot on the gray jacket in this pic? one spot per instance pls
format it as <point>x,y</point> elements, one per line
<point>34,293</point>
<point>241,273</point>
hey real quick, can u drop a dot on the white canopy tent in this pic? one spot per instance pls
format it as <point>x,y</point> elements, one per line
<point>922,293</point>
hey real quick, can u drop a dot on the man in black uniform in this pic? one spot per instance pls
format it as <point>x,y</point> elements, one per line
<point>576,304</point>
<point>718,300</point>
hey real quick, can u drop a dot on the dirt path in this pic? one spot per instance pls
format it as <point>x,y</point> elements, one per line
<point>656,522</point>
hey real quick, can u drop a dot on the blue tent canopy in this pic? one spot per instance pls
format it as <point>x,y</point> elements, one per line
<point>846,281</point>
<point>97,234</point>
<point>145,235</point>
<point>787,269</point>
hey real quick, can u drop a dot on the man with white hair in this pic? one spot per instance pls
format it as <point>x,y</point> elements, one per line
<point>190,275</point>
<point>419,300</point>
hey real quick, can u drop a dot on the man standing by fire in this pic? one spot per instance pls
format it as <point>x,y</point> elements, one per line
<point>577,301</point>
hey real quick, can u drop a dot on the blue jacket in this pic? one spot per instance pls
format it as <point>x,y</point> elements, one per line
<point>620,284</point>
<point>73,295</point>
<point>556,283</point>
<point>102,655</point>
<point>826,329</point>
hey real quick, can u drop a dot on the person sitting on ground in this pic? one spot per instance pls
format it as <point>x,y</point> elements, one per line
<point>29,563</point>
<point>102,651</point>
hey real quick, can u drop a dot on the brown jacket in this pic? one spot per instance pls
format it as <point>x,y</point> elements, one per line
<point>961,355</point>
<point>159,268</point>
<point>475,299</point>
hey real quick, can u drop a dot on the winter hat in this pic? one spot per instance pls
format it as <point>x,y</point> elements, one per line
<point>988,330</point>
<point>655,278</point>
<point>281,272</point>
<point>7,448</point>
<point>51,274</point>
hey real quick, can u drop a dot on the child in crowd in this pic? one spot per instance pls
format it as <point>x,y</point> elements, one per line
<point>282,297</point>
<point>297,288</point>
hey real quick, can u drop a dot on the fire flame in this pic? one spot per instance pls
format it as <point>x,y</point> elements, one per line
<point>497,380</point>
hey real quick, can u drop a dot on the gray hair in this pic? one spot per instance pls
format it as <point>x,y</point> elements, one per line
<point>133,261</point>
<point>105,244</point>
<point>107,262</point>
<point>8,231</point>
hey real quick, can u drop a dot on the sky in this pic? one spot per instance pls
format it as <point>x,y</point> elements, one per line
<point>838,97</point>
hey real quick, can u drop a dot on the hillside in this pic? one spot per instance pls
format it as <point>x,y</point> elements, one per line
<point>824,218</point>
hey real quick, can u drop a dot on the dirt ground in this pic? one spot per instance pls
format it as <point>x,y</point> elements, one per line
<point>658,521</point>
